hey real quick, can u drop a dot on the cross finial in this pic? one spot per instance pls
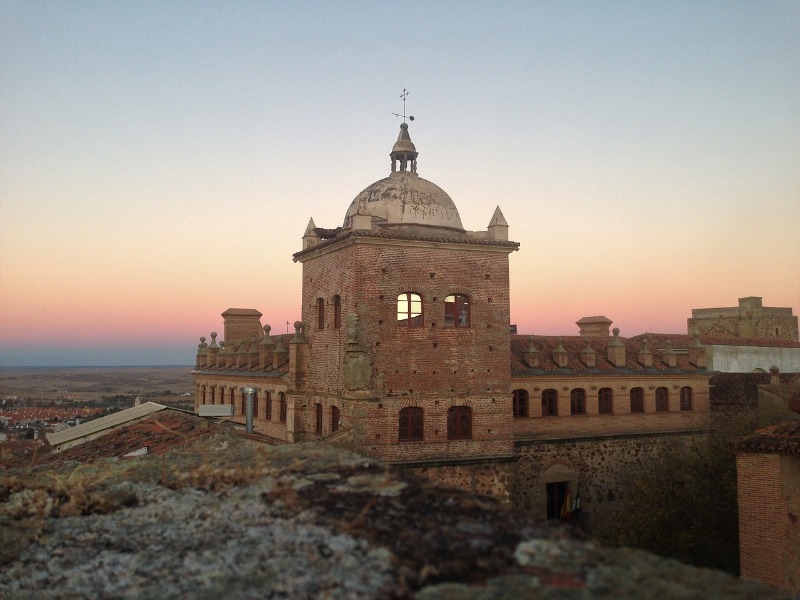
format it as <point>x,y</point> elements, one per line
<point>404,95</point>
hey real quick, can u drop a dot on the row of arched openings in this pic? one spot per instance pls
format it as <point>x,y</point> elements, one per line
<point>267,406</point>
<point>605,401</point>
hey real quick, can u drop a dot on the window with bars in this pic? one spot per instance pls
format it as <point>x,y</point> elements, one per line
<point>549,403</point>
<point>605,401</point>
<point>577,401</point>
<point>519,399</point>
<point>411,424</point>
<point>409,310</point>
<point>459,423</point>
<point>456,311</point>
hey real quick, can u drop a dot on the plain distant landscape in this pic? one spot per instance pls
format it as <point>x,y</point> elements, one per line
<point>87,384</point>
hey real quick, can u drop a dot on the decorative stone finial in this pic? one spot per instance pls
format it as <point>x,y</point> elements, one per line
<point>298,332</point>
<point>615,331</point>
<point>213,343</point>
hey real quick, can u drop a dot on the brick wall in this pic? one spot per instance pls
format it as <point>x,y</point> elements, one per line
<point>763,519</point>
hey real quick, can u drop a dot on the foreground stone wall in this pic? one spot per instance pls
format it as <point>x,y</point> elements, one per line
<point>598,467</point>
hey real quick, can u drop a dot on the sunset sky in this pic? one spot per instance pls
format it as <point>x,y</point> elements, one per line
<point>159,161</point>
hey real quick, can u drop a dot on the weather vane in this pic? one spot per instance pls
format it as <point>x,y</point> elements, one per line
<point>404,95</point>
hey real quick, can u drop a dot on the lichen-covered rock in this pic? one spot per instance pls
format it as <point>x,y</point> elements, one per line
<point>300,521</point>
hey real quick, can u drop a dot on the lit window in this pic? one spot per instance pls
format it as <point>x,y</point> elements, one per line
<point>549,403</point>
<point>637,400</point>
<point>459,423</point>
<point>409,310</point>
<point>411,424</point>
<point>686,398</point>
<point>605,400</point>
<point>456,311</point>
<point>662,399</point>
<point>577,401</point>
<point>520,401</point>
<point>337,312</point>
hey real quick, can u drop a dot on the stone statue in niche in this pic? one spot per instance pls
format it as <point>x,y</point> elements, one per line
<point>356,370</point>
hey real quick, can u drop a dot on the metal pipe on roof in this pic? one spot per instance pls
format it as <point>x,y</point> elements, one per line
<point>248,394</point>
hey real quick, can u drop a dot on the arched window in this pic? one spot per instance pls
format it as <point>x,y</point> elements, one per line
<point>204,394</point>
<point>318,427</point>
<point>255,404</point>
<point>244,405</point>
<point>662,399</point>
<point>320,313</point>
<point>409,310</point>
<point>213,394</point>
<point>268,407</point>
<point>637,400</point>
<point>337,311</point>
<point>411,424</point>
<point>605,401</point>
<point>459,423</point>
<point>520,401</point>
<point>283,407</point>
<point>334,418</point>
<point>231,397</point>
<point>577,401</point>
<point>549,403</point>
<point>456,311</point>
<point>686,398</point>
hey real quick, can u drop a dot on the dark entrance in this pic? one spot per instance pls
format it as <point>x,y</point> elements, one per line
<point>556,492</point>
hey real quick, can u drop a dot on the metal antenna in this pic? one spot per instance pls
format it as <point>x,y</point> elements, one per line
<point>404,95</point>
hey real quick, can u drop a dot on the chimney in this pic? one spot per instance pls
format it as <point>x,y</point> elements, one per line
<point>298,357</point>
<point>672,357</point>
<point>697,352</point>
<point>594,326</point>
<point>265,350</point>
<point>616,350</point>
<point>588,355</point>
<point>560,355</point>
<point>645,356</point>
<point>531,356</point>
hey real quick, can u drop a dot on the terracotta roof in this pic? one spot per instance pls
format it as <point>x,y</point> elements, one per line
<point>574,345</point>
<point>158,433</point>
<point>778,439</point>
<point>683,341</point>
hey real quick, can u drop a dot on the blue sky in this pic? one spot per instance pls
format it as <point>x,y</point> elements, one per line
<point>159,161</point>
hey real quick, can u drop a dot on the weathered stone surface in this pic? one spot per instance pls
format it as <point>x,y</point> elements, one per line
<point>299,521</point>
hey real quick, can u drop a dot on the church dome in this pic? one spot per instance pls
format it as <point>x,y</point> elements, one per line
<point>405,198</point>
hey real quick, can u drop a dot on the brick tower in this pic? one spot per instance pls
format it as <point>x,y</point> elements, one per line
<point>406,315</point>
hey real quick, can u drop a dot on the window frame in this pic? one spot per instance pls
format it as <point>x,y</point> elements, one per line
<point>459,422</point>
<point>577,402</point>
<point>551,403</point>
<point>520,400</point>
<point>637,395</point>
<point>318,424</point>
<point>662,399</point>
<point>411,424</point>
<point>320,313</point>
<point>268,407</point>
<point>605,400</point>
<point>284,408</point>
<point>337,311</point>
<point>459,307</point>
<point>686,399</point>
<point>412,319</point>
<point>335,416</point>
